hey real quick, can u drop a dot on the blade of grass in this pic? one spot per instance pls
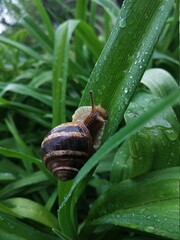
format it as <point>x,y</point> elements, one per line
<point>60,68</point>
<point>80,14</point>
<point>92,16</point>
<point>11,228</point>
<point>26,181</point>
<point>19,141</point>
<point>12,128</point>
<point>27,208</point>
<point>21,106</point>
<point>33,27</point>
<point>21,47</point>
<point>25,90</point>
<point>110,7</point>
<point>86,35</point>
<point>25,157</point>
<point>46,19</point>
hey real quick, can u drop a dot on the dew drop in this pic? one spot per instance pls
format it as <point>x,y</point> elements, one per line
<point>126,90</point>
<point>122,23</point>
<point>171,134</point>
<point>149,229</point>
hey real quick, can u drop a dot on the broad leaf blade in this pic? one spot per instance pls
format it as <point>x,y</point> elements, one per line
<point>13,229</point>
<point>148,203</point>
<point>29,209</point>
<point>156,145</point>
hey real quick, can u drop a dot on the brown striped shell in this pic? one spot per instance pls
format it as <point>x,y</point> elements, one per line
<point>68,146</point>
<point>66,149</point>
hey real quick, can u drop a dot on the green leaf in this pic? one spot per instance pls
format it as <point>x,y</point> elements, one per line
<point>110,7</point>
<point>12,128</point>
<point>121,165</point>
<point>159,81</point>
<point>46,19</point>
<point>25,157</point>
<point>34,28</point>
<point>162,56</point>
<point>26,208</point>
<point>86,34</point>
<point>80,14</point>
<point>148,203</point>
<point>25,90</point>
<point>21,47</point>
<point>21,144</point>
<point>60,68</point>
<point>20,184</point>
<point>156,145</point>
<point>124,59</point>
<point>13,229</point>
<point>41,79</point>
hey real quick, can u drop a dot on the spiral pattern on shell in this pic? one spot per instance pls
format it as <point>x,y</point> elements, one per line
<point>66,149</point>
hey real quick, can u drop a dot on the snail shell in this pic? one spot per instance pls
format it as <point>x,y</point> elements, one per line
<point>67,147</point>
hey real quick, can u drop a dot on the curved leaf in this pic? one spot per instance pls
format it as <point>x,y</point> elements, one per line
<point>148,203</point>
<point>156,145</point>
<point>38,32</point>
<point>26,208</point>
<point>21,47</point>
<point>111,8</point>
<point>13,229</point>
<point>25,90</point>
<point>159,81</point>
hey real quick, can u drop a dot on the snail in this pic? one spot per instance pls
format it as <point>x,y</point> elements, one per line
<point>67,147</point>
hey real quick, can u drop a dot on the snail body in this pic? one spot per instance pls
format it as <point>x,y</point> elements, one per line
<point>67,147</point>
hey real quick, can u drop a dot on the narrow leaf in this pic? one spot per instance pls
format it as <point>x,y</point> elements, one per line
<point>25,90</point>
<point>21,47</point>
<point>110,7</point>
<point>124,59</point>
<point>60,68</point>
<point>13,229</point>
<point>37,31</point>
<point>46,19</point>
<point>29,209</point>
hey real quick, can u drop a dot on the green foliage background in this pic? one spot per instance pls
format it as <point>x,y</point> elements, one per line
<point>49,60</point>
